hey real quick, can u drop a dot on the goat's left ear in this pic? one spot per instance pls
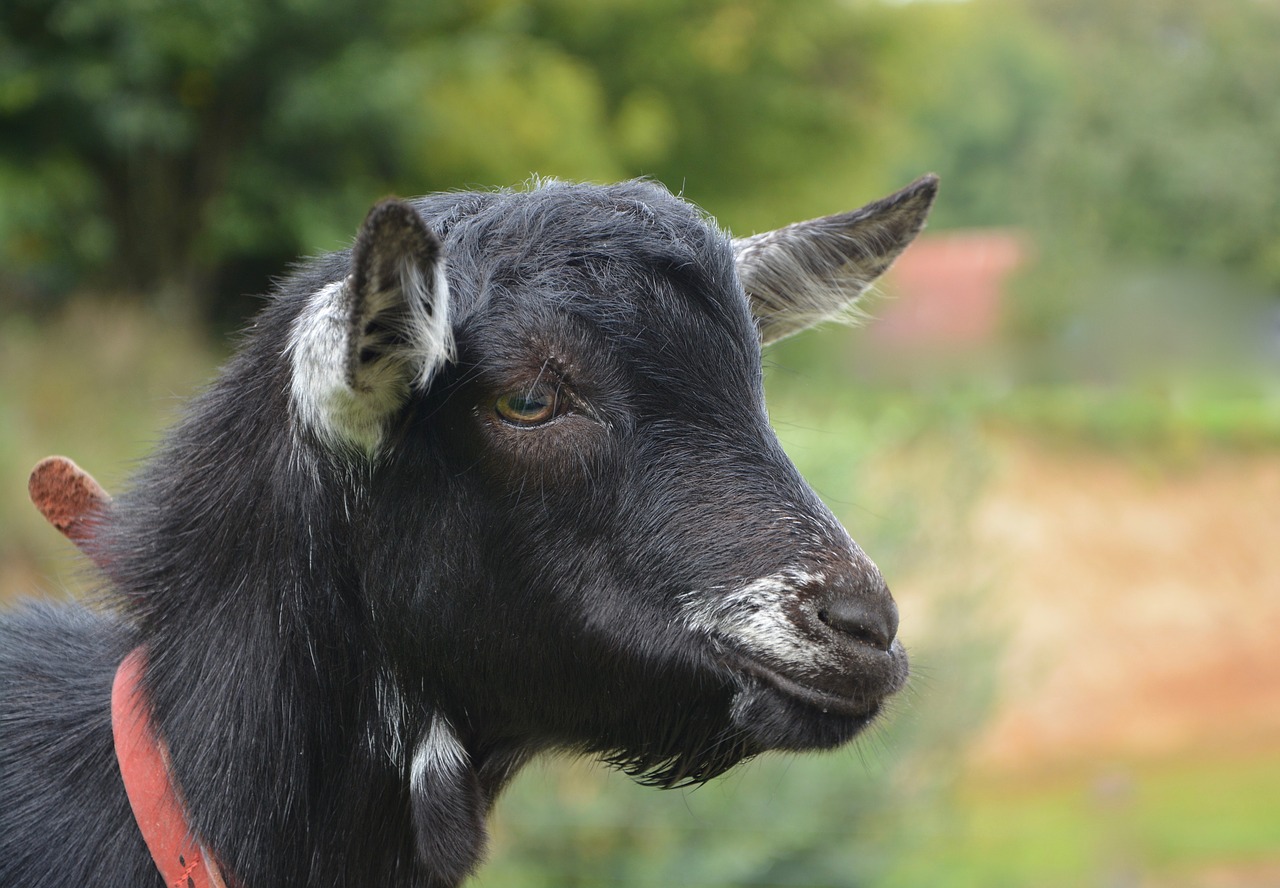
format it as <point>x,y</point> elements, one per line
<point>361,344</point>
<point>809,272</point>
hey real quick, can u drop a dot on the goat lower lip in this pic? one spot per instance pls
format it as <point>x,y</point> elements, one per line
<point>858,705</point>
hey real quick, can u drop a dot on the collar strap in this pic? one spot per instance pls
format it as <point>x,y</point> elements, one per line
<point>153,794</point>
<point>74,503</point>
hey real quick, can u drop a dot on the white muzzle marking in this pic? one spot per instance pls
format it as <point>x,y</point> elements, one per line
<point>754,618</point>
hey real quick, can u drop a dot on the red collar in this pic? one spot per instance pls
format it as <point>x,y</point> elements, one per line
<point>75,504</point>
<point>153,795</point>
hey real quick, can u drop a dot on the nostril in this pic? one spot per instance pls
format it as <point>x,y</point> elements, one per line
<point>875,624</point>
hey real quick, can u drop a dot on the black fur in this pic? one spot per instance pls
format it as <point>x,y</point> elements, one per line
<point>310,613</point>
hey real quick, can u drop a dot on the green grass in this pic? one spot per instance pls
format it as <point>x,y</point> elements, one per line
<point>1162,821</point>
<point>1184,419</point>
<point>1219,811</point>
<point>836,821</point>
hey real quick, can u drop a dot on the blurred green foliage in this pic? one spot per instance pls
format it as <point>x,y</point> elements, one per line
<point>164,148</point>
<point>99,383</point>
<point>187,151</point>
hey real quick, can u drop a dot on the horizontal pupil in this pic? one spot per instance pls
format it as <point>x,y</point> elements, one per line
<point>527,405</point>
<point>532,408</point>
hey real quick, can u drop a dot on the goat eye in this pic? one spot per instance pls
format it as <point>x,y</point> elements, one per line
<point>528,407</point>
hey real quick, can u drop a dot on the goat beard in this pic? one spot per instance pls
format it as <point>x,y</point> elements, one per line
<point>692,750</point>
<point>707,753</point>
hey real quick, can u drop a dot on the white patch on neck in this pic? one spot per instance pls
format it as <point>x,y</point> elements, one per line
<point>754,618</point>
<point>439,753</point>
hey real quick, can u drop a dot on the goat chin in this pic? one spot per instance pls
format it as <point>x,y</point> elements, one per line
<point>776,721</point>
<point>781,713</point>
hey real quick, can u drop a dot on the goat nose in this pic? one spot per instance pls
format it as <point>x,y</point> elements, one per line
<point>870,616</point>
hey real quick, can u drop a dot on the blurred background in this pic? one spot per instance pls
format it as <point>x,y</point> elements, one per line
<point>1059,433</point>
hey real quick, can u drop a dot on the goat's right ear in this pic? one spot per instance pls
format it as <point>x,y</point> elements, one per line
<point>362,343</point>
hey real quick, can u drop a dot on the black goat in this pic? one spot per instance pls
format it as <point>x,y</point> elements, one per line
<point>497,481</point>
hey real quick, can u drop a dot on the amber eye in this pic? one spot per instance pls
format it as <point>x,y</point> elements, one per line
<point>527,407</point>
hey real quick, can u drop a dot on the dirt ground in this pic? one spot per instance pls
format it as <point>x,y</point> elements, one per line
<point>1141,605</point>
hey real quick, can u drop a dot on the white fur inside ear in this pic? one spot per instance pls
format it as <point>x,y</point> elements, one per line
<point>797,286</point>
<point>347,407</point>
<point>430,331</point>
<point>340,415</point>
<point>813,271</point>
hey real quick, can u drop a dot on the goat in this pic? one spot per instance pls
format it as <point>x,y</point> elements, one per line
<point>497,481</point>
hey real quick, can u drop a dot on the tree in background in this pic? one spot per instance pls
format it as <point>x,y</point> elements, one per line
<point>1134,144</point>
<point>179,150</point>
<point>162,147</point>
<point>1169,135</point>
<point>127,125</point>
<point>183,153</point>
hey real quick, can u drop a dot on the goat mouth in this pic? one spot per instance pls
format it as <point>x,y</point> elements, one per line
<point>857,695</point>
